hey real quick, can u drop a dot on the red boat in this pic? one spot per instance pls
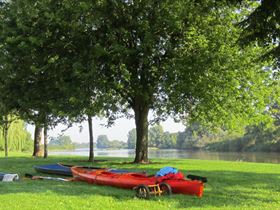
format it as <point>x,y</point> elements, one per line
<point>132,180</point>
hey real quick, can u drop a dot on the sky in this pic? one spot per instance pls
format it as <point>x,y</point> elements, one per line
<point>118,131</point>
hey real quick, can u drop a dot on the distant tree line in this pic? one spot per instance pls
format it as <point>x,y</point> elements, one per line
<point>157,138</point>
<point>194,137</point>
<point>255,138</point>
<point>104,143</point>
<point>261,137</point>
<point>197,137</point>
<point>61,142</point>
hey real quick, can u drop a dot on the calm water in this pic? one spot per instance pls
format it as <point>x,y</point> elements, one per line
<point>260,157</point>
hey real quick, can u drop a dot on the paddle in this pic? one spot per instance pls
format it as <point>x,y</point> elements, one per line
<point>46,177</point>
<point>195,177</point>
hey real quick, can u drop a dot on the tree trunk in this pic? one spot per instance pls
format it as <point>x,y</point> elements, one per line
<point>5,133</point>
<point>141,120</point>
<point>37,141</point>
<point>45,141</point>
<point>91,155</point>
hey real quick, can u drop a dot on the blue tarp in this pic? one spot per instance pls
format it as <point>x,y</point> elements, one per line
<point>166,170</point>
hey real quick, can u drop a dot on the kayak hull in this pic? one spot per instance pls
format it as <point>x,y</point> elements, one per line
<point>57,169</point>
<point>131,180</point>
<point>65,170</point>
<point>189,187</point>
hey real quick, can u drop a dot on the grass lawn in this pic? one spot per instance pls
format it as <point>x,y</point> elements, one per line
<point>231,185</point>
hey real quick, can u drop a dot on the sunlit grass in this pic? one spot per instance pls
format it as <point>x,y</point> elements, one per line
<point>232,185</point>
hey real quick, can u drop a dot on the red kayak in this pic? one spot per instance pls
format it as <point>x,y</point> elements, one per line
<point>132,180</point>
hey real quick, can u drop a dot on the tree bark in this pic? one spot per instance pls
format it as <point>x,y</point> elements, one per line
<point>45,141</point>
<point>37,141</point>
<point>91,154</point>
<point>141,120</point>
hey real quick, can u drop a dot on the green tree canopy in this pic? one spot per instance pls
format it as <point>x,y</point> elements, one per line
<point>19,138</point>
<point>47,60</point>
<point>262,26</point>
<point>176,58</point>
<point>180,58</point>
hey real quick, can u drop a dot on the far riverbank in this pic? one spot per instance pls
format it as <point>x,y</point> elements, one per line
<point>259,157</point>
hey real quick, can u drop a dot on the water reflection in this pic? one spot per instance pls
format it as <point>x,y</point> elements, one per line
<point>260,157</point>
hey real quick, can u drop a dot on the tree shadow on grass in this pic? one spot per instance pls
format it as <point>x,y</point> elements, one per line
<point>224,187</point>
<point>232,188</point>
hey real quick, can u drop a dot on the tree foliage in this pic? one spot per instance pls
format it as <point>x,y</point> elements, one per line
<point>47,58</point>
<point>19,138</point>
<point>102,142</point>
<point>131,139</point>
<point>156,135</point>
<point>61,142</point>
<point>262,26</point>
<point>157,138</point>
<point>180,58</point>
<point>197,137</point>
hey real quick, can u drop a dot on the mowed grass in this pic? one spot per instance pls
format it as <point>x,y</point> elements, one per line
<point>231,185</point>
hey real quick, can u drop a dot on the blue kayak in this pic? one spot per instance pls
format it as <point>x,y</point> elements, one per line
<point>1,176</point>
<point>56,168</point>
<point>63,169</point>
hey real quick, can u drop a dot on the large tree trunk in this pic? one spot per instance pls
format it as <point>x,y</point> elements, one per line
<point>37,141</point>
<point>5,133</point>
<point>141,120</point>
<point>45,141</point>
<point>91,154</point>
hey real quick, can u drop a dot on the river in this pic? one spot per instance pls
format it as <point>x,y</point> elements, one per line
<point>259,157</point>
